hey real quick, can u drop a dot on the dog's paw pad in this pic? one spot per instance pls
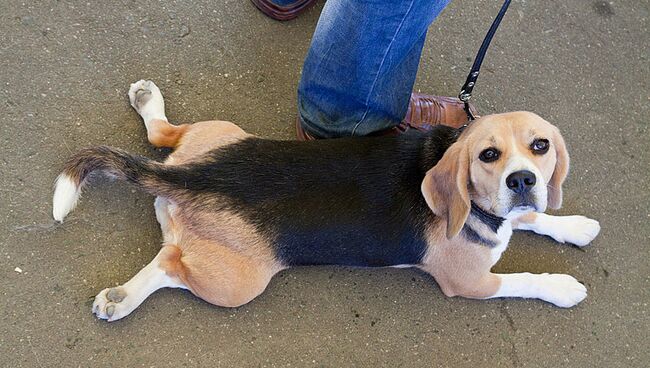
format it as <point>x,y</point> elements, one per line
<point>143,91</point>
<point>110,310</point>
<point>116,294</point>
<point>109,304</point>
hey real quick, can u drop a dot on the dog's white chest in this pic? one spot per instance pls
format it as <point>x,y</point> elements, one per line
<point>503,238</point>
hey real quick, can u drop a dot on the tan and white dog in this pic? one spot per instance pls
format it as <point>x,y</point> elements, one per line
<point>236,209</point>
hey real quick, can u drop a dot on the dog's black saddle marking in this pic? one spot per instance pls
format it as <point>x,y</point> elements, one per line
<point>353,201</point>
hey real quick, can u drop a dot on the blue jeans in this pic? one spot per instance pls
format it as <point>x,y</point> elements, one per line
<point>361,66</point>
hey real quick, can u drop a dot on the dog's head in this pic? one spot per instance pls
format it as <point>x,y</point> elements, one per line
<point>504,163</point>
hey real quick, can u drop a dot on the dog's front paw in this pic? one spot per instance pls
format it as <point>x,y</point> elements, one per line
<point>579,230</point>
<point>562,290</point>
<point>111,304</point>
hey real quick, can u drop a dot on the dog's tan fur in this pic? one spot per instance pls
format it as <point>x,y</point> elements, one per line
<point>163,134</point>
<point>218,256</point>
<point>459,267</point>
<point>528,218</point>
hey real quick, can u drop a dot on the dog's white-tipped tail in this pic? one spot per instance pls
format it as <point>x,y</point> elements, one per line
<point>140,171</point>
<point>66,195</point>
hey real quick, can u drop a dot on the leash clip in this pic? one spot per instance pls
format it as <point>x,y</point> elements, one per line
<point>466,91</point>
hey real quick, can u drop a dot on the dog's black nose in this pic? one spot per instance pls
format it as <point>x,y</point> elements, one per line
<point>521,181</point>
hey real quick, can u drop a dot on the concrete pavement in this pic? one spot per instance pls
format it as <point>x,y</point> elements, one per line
<point>66,68</point>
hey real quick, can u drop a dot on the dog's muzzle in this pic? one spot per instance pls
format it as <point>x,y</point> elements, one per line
<point>521,183</point>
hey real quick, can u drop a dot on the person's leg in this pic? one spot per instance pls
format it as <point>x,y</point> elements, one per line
<point>361,66</point>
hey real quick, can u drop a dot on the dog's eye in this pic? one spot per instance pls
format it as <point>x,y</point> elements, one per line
<point>489,155</point>
<point>539,146</point>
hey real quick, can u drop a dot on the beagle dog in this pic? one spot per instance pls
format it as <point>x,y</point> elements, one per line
<point>236,209</point>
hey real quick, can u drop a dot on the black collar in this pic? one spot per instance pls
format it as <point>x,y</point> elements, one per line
<point>493,221</point>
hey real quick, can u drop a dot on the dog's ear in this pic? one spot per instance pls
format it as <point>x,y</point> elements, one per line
<point>559,174</point>
<point>445,188</point>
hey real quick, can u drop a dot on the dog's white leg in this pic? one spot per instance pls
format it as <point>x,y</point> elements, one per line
<point>559,289</point>
<point>115,303</point>
<point>578,230</point>
<point>147,100</point>
<point>164,209</point>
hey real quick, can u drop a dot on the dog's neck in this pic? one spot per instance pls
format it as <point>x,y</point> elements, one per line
<point>481,227</point>
<point>493,221</point>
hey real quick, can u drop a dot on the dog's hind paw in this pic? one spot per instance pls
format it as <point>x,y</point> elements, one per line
<point>146,99</point>
<point>112,304</point>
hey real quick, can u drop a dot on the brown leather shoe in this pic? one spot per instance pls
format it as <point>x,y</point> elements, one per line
<point>302,133</point>
<point>279,12</point>
<point>424,111</point>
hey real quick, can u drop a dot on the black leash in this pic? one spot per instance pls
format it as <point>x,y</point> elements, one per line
<point>466,91</point>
